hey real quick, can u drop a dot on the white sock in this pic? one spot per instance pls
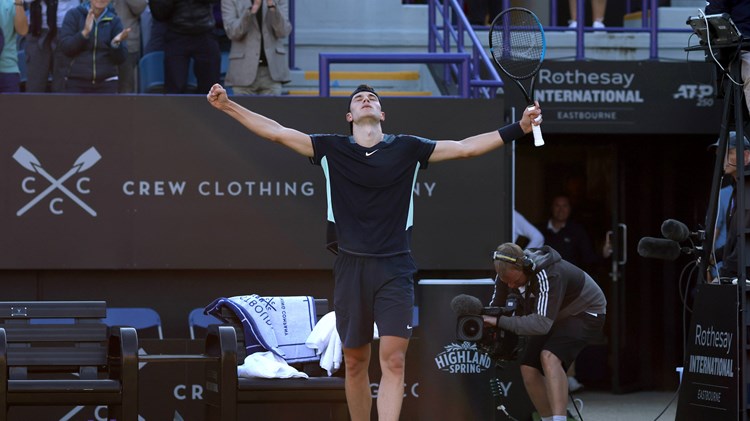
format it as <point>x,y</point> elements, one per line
<point>559,418</point>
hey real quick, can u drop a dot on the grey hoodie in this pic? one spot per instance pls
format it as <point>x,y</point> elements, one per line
<point>555,290</point>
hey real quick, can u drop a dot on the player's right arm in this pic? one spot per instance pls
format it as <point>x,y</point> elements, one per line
<point>482,143</point>
<point>259,124</point>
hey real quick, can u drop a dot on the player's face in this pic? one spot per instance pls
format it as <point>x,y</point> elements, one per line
<point>365,105</point>
<point>512,277</point>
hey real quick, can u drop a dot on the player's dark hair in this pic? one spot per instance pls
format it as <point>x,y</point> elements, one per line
<point>360,88</point>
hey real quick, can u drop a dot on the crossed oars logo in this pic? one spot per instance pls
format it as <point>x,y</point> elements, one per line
<point>83,163</point>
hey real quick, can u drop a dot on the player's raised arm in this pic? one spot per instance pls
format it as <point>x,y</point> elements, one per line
<point>259,124</point>
<point>482,143</point>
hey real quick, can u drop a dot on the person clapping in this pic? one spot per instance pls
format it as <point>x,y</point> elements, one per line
<point>93,36</point>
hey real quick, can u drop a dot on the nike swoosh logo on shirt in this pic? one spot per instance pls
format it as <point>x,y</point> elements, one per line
<point>370,153</point>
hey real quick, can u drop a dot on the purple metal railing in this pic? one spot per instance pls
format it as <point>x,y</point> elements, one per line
<point>460,59</point>
<point>649,25</point>
<point>481,87</point>
<point>454,30</point>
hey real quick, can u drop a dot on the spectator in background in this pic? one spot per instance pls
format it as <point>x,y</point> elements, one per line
<point>258,62</point>
<point>221,34</point>
<point>153,34</point>
<point>93,37</point>
<point>568,237</point>
<point>12,23</point>
<point>42,53</point>
<point>598,7</point>
<point>739,11</point>
<point>189,35</point>
<point>130,12</point>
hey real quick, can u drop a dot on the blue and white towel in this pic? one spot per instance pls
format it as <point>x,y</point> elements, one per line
<point>277,324</point>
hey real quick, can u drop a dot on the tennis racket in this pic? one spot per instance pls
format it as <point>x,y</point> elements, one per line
<point>517,45</point>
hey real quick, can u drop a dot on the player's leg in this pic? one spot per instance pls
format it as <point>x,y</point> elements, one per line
<point>392,367</point>
<point>354,323</point>
<point>357,382</point>
<point>393,308</point>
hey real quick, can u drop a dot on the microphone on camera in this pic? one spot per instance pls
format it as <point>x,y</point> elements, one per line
<point>511,302</point>
<point>659,248</point>
<point>675,230</point>
<point>466,305</point>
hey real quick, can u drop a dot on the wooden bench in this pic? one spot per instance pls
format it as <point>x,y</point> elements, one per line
<point>222,403</point>
<point>60,353</point>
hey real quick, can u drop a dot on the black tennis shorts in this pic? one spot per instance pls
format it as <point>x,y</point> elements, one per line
<point>566,339</point>
<point>373,290</point>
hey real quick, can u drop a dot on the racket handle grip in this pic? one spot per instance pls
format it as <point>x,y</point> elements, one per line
<point>538,140</point>
<point>536,130</point>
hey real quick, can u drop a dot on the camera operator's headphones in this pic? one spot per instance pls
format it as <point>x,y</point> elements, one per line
<point>525,262</point>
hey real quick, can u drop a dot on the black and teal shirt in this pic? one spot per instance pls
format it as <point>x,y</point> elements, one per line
<point>370,191</point>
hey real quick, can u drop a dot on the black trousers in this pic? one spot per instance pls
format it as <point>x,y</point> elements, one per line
<point>179,49</point>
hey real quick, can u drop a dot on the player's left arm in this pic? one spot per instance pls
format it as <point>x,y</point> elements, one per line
<point>482,143</point>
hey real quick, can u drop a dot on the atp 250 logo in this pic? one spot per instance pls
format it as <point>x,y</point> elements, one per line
<point>56,187</point>
<point>702,94</point>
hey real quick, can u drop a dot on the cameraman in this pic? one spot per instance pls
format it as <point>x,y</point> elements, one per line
<point>563,311</point>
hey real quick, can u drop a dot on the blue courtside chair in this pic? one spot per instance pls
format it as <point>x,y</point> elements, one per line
<point>54,321</point>
<point>192,82</point>
<point>22,65</point>
<point>196,319</point>
<point>224,66</point>
<point>151,73</point>
<point>140,318</point>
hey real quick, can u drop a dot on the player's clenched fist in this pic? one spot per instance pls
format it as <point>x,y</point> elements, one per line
<point>217,96</point>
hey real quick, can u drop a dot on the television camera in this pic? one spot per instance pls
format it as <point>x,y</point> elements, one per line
<point>498,343</point>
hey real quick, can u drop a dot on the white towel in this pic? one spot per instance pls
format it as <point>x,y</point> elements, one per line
<point>324,339</point>
<point>267,365</point>
<point>326,342</point>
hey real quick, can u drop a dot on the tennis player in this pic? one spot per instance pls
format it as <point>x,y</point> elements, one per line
<point>370,178</point>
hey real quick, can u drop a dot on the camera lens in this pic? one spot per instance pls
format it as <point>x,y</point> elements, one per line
<point>470,328</point>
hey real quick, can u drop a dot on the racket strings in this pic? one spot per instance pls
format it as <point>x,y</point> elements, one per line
<point>517,43</point>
